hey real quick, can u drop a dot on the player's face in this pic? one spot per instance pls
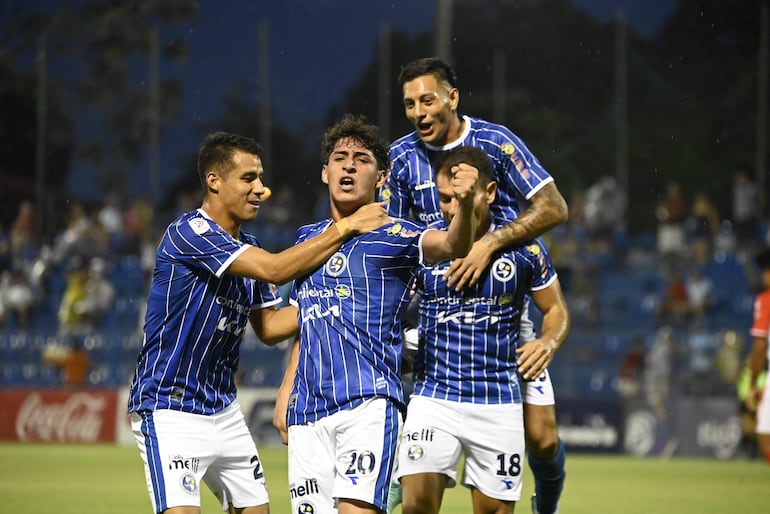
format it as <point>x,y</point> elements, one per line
<point>352,176</point>
<point>481,202</point>
<point>431,106</point>
<point>240,189</point>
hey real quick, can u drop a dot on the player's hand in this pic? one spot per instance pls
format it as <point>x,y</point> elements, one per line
<point>368,217</point>
<point>467,271</point>
<point>279,413</point>
<point>534,357</point>
<point>465,180</point>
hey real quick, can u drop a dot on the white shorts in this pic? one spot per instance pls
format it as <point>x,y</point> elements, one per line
<point>181,450</point>
<point>349,454</point>
<point>763,411</point>
<point>436,433</point>
<point>539,391</point>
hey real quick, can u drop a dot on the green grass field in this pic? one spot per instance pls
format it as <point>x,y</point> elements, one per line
<point>70,479</point>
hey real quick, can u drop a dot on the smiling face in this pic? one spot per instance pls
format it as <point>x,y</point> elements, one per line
<point>352,176</point>
<point>430,106</point>
<point>238,189</point>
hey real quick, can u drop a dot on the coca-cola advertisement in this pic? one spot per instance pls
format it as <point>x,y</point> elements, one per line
<point>78,416</point>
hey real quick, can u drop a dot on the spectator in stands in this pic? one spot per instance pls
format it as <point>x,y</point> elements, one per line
<point>22,232</point>
<point>701,297</point>
<point>632,369</point>
<point>747,203</point>
<point>703,222</point>
<point>99,295</point>
<point>70,320</point>
<point>657,371</point>
<point>671,215</point>
<point>605,211</point>
<point>72,360</point>
<point>17,299</point>
<point>111,218</point>
<point>674,306</point>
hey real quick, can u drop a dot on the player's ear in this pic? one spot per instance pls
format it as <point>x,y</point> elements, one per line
<point>454,98</point>
<point>213,181</point>
<point>491,190</point>
<point>324,175</point>
<point>382,177</point>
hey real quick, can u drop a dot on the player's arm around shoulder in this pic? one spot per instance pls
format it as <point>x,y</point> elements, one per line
<point>303,258</point>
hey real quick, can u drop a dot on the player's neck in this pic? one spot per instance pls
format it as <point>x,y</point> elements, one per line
<point>225,222</point>
<point>455,131</point>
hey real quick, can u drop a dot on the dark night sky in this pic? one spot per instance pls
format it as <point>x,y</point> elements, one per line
<point>318,49</point>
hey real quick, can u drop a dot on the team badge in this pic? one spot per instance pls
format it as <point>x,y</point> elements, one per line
<point>199,225</point>
<point>503,269</point>
<point>306,508</point>
<point>336,264</point>
<point>342,291</point>
<point>415,452</point>
<point>188,483</point>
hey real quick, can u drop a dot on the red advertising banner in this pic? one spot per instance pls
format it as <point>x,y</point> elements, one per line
<point>76,416</point>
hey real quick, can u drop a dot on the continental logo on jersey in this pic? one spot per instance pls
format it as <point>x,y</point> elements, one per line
<point>342,291</point>
<point>506,299</point>
<point>398,230</point>
<point>199,225</point>
<point>503,269</point>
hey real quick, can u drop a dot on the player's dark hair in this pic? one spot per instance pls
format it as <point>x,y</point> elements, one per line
<point>217,150</point>
<point>763,259</point>
<point>472,155</point>
<point>427,66</point>
<point>356,127</point>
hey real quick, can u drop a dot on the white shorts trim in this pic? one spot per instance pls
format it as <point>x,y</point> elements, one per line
<point>437,432</point>
<point>349,454</point>
<point>539,391</point>
<point>182,450</point>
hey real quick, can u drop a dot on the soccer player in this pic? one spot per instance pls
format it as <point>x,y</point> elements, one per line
<point>431,100</point>
<point>467,398</point>
<point>344,404</point>
<point>758,358</point>
<point>210,280</point>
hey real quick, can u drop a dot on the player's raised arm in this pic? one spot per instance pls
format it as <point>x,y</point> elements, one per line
<point>457,240</point>
<point>299,260</point>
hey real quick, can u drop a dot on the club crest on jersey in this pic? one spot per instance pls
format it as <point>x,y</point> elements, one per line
<point>306,508</point>
<point>415,452</point>
<point>188,483</point>
<point>398,229</point>
<point>503,269</point>
<point>336,264</point>
<point>199,225</point>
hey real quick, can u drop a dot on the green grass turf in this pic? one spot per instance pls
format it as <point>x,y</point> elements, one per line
<point>77,479</point>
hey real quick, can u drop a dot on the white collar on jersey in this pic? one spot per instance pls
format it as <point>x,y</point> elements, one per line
<point>457,142</point>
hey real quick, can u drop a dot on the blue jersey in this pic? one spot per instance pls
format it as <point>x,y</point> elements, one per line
<point>411,184</point>
<point>196,318</point>
<point>468,338</point>
<point>350,321</point>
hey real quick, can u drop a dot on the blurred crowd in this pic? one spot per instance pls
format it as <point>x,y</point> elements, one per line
<point>85,255</point>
